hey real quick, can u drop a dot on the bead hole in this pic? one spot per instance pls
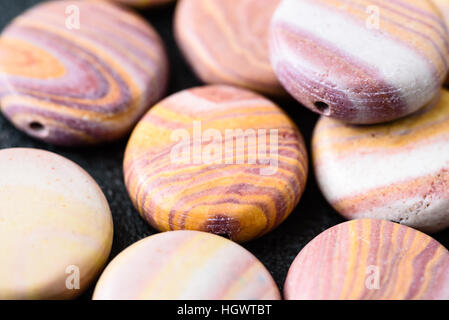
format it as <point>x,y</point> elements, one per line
<point>36,126</point>
<point>322,107</point>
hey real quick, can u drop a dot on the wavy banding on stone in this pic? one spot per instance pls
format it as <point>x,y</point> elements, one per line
<point>397,171</point>
<point>226,42</point>
<point>228,197</point>
<point>106,74</point>
<point>330,59</point>
<point>345,262</point>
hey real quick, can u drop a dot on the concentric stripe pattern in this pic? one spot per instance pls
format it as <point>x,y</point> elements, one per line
<point>360,61</point>
<point>226,41</point>
<point>397,171</point>
<point>186,265</point>
<point>244,192</point>
<point>370,260</point>
<point>79,72</point>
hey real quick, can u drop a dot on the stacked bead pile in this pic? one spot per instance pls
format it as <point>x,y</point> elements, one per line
<point>221,160</point>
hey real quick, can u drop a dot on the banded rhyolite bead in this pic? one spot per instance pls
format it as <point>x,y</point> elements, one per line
<point>217,159</point>
<point>397,171</point>
<point>186,265</point>
<point>227,41</point>
<point>55,226</point>
<point>370,260</point>
<point>362,62</point>
<point>79,72</point>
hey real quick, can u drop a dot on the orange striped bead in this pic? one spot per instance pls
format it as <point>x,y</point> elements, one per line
<point>241,176</point>
<point>397,171</point>
<point>370,260</point>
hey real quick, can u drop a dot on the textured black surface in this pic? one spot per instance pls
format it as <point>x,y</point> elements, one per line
<point>276,250</point>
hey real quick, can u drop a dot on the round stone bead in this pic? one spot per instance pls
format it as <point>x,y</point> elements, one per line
<point>226,42</point>
<point>55,226</point>
<point>217,159</point>
<point>79,72</point>
<point>186,265</point>
<point>397,171</point>
<point>143,3</point>
<point>370,260</point>
<point>365,62</point>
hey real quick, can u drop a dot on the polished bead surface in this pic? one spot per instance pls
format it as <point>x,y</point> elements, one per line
<point>186,265</point>
<point>362,62</point>
<point>370,260</point>
<point>218,159</point>
<point>226,41</point>
<point>55,226</point>
<point>79,72</point>
<point>397,171</point>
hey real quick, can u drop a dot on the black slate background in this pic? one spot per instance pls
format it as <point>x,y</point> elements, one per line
<point>276,250</point>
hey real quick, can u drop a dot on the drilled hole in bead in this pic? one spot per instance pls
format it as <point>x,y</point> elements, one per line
<point>36,126</point>
<point>322,107</point>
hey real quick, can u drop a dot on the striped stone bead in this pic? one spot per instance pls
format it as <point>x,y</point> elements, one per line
<point>397,171</point>
<point>79,72</point>
<point>362,62</point>
<point>370,260</point>
<point>226,41</point>
<point>186,265</point>
<point>241,169</point>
